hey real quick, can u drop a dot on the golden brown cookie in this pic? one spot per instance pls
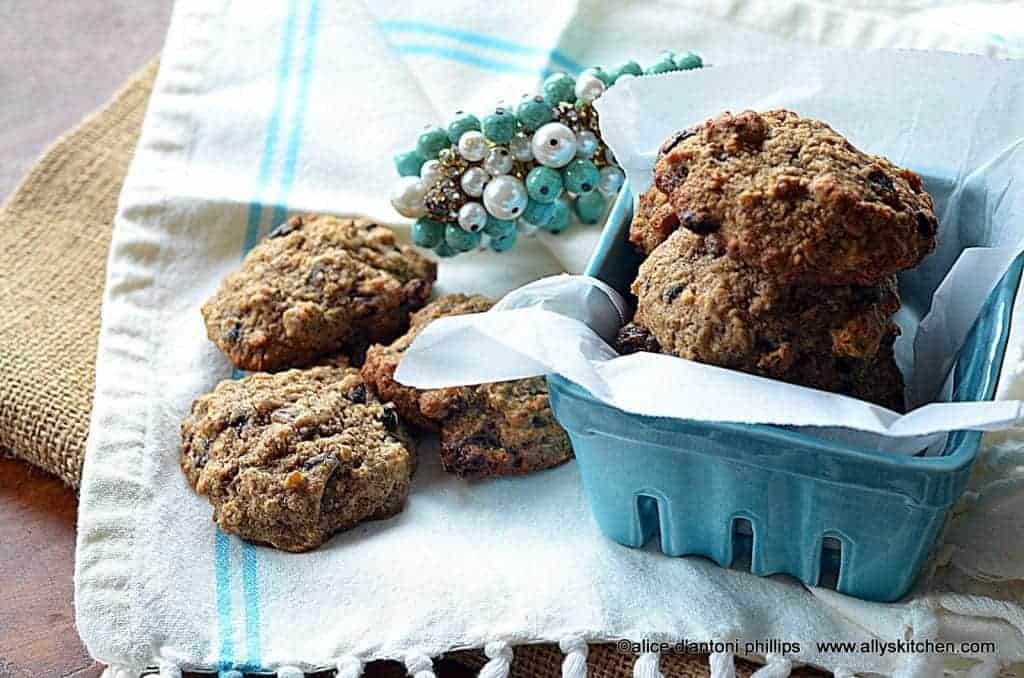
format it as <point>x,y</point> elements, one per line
<point>290,458</point>
<point>491,429</point>
<point>791,196</point>
<point>316,286</point>
<point>877,380</point>
<point>701,304</point>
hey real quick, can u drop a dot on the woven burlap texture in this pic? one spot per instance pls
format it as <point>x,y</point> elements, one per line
<point>54,236</point>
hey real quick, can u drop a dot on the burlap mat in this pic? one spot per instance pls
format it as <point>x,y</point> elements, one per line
<point>54,236</point>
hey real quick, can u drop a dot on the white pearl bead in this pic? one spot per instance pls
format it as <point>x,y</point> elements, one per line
<point>520,147</point>
<point>473,146</point>
<point>472,217</point>
<point>473,180</point>
<point>505,197</point>
<point>430,173</point>
<point>589,87</point>
<point>586,144</point>
<point>498,161</point>
<point>554,145</point>
<point>408,199</point>
<point>610,180</point>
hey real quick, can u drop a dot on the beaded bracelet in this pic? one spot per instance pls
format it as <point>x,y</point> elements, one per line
<point>480,183</point>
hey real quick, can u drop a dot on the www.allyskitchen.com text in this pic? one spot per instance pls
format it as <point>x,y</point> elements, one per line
<point>822,647</point>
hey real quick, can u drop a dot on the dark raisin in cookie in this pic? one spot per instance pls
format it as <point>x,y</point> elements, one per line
<point>288,459</point>
<point>491,429</point>
<point>317,285</point>
<point>633,338</point>
<point>791,196</point>
<point>701,304</point>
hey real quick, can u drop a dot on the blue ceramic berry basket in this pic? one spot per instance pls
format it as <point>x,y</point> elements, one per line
<point>766,498</point>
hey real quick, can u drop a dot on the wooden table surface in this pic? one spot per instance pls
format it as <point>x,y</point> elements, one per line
<point>37,549</point>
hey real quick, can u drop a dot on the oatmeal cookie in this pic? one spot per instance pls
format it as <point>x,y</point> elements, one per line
<point>491,429</point>
<point>506,428</point>
<point>290,458</point>
<point>791,196</point>
<point>701,304</point>
<point>317,285</point>
<point>382,361</point>
<point>877,380</point>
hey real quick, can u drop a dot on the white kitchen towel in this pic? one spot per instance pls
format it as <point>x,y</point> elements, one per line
<point>261,109</point>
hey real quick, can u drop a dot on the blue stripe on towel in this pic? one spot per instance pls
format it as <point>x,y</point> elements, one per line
<point>250,592</point>
<point>295,137</point>
<point>482,40</point>
<point>252,228</point>
<point>250,556</point>
<point>223,542</point>
<point>222,560</point>
<point>464,57</point>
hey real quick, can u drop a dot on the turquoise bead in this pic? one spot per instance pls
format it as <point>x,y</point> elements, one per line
<point>427,232</point>
<point>560,219</point>
<point>543,184</point>
<point>604,75</point>
<point>408,164</point>
<point>590,207</point>
<point>504,243</point>
<point>444,250</point>
<point>580,176</point>
<point>538,213</point>
<point>463,122</point>
<point>497,228</point>
<point>689,61</point>
<point>460,240</point>
<point>533,112</point>
<point>500,126</point>
<point>432,142</point>
<point>630,67</point>
<point>559,87</point>
<point>664,66</point>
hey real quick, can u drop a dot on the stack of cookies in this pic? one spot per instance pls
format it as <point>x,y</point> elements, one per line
<point>772,246</point>
<point>309,444</point>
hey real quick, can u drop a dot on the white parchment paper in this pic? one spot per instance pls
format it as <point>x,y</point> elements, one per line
<point>957,120</point>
